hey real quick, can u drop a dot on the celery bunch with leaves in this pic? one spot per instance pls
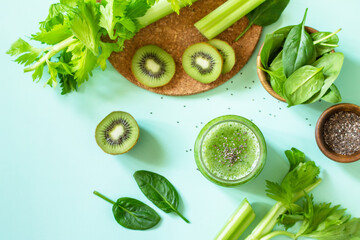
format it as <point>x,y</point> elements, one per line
<point>73,34</point>
<point>318,221</point>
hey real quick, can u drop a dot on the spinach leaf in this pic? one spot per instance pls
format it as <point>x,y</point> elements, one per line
<point>277,79</point>
<point>284,30</point>
<point>299,49</point>
<point>303,84</point>
<point>131,213</point>
<point>272,44</point>
<point>325,42</point>
<point>331,64</point>
<point>159,191</point>
<point>265,14</point>
<point>276,74</point>
<point>332,95</point>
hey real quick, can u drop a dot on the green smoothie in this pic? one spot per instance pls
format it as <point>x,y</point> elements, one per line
<point>230,150</point>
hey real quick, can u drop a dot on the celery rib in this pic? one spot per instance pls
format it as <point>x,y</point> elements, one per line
<point>224,16</point>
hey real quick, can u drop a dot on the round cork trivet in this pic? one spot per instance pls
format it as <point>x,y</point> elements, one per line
<point>174,34</point>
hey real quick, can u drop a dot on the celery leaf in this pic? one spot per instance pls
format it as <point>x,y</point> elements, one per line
<point>55,35</point>
<point>85,26</point>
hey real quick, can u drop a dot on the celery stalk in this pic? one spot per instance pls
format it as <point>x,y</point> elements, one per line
<point>238,222</point>
<point>160,10</point>
<point>267,224</point>
<point>224,16</point>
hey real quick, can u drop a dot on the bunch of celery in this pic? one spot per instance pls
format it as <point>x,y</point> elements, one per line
<point>73,34</point>
<point>318,221</point>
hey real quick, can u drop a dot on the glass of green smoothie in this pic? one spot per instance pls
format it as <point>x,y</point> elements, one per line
<point>230,150</point>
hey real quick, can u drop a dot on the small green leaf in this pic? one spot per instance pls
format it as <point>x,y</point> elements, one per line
<point>332,95</point>
<point>272,45</point>
<point>57,34</point>
<point>299,49</point>
<point>303,84</point>
<point>133,214</point>
<point>28,54</point>
<point>85,26</point>
<point>331,64</point>
<point>159,191</point>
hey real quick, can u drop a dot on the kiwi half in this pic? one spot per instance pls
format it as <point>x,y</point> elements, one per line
<point>202,62</point>
<point>153,66</point>
<point>117,133</point>
<point>227,52</point>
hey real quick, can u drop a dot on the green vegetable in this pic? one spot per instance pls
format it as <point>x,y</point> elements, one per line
<point>131,213</point>
<point>303,84</point>
<point>159,191</point>
<point>224,16</point>
<point>237,224</point>
<point>72,32</point>
<point>301,179</point>
<point>325,42</point>
<point>319,221</point>
<point>266,14</point>
<point>299,49</point>
<point>332,95</point>
<point>277,80</point>
<point>331,64</point>
<point>272,44</point>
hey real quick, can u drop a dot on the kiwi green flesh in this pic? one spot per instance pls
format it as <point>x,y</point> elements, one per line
<point>227,52</point>
<point>153,66</point>
<point>117,133</point>
<point>202,62</point>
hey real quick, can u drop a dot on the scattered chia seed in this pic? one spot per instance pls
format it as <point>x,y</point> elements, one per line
<point>342,133</point>
<point>230,153</point>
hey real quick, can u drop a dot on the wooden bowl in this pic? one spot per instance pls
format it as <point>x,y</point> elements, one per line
<point>344,107</point>
<point>263,75</point>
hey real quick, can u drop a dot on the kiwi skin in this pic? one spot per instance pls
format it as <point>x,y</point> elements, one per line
<point>106,119</point>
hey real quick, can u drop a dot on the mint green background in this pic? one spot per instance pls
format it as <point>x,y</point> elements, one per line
<point>50,163</point>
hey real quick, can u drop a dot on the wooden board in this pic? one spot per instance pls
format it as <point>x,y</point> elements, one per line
<point>174,34</point>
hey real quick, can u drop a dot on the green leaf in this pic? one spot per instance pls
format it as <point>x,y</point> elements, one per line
<point>57,34</point>
<point>85,25</point>
<point>28,54</point>
<point>138,8</point>
<point>82,64</point>
<point>332,95</point>
<point>284,30</point>
<point>106,50</point>
<point>299,49</point>
<point>57,15</point>
<point>325,42</point>
<point>133,214</point>
<point>331,64</point>
<point>268,12</point>
<point>265,14</point>
<point>295,157</point>
<point>301,176</point>
<point>159,191</point>
<point>109,13</point>
<point>303,84</point>
<point>272,45</point>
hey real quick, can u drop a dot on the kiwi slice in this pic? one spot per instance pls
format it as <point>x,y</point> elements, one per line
<point>202,62</point>
<point>117,133</point>
<point>153,66</point>
<point>227,52</point>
